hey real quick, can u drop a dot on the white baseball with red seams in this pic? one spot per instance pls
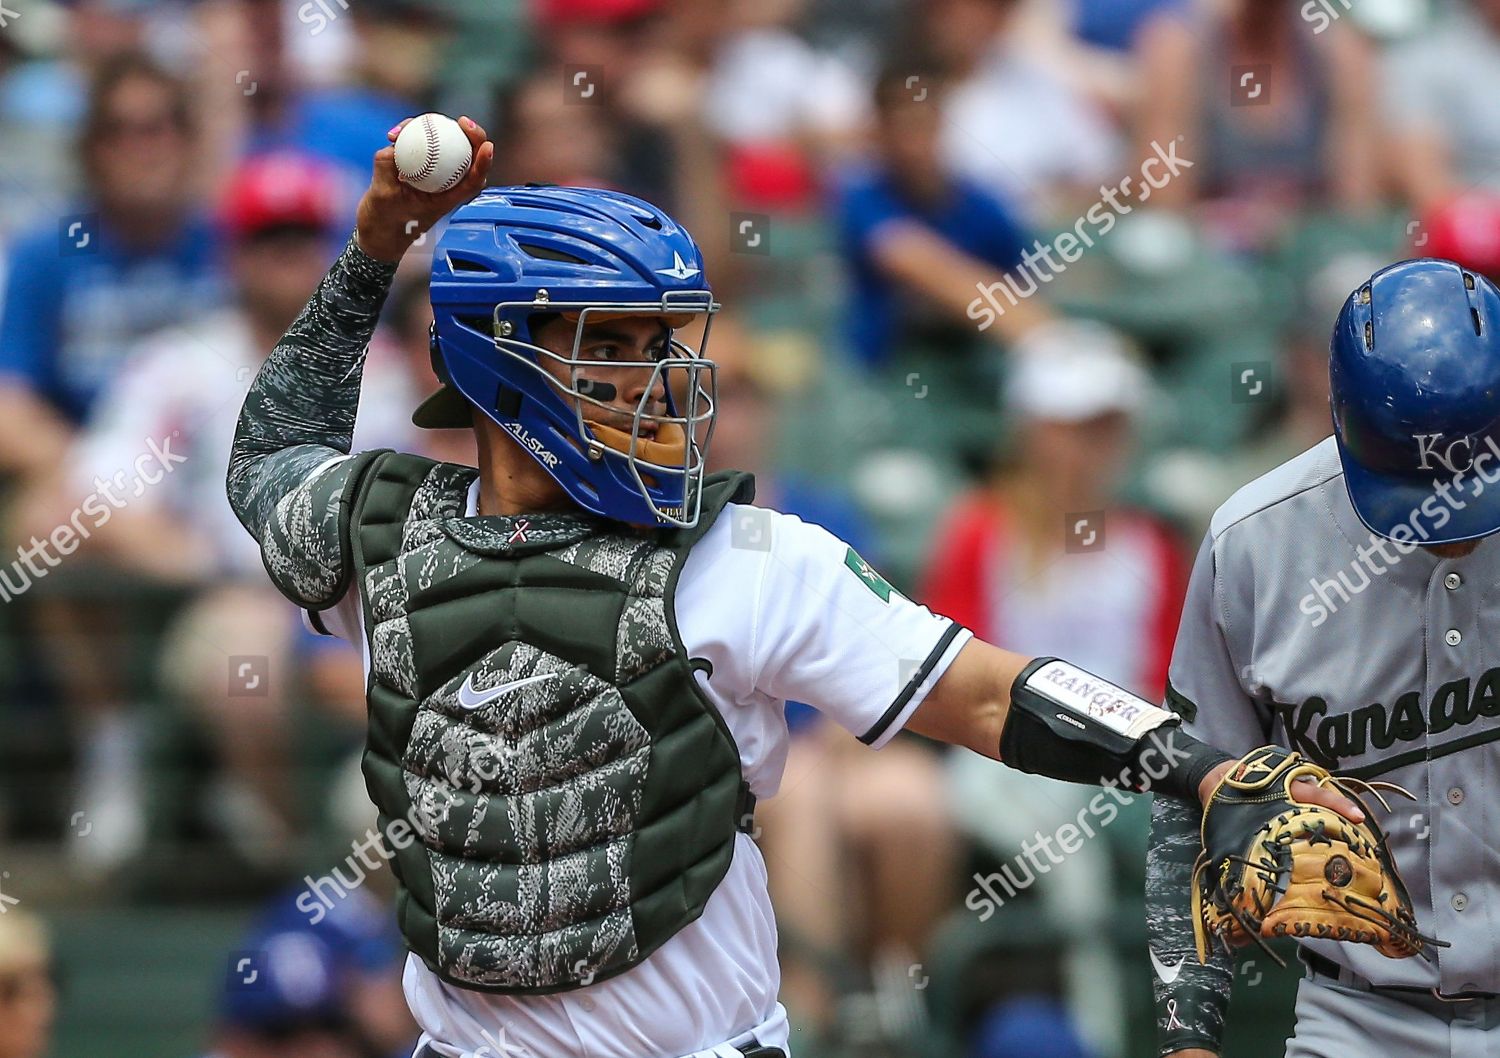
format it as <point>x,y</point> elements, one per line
<point>432,153</point>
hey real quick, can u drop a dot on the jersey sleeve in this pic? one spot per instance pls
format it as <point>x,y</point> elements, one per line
<point>291,476</point>
<point>305,541</point>
<point>1203,679</point>
<point>831,631</point>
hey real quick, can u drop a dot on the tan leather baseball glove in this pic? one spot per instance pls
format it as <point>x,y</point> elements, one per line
<point>1274,866</point>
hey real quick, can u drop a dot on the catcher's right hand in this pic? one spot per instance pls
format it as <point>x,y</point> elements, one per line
<point>1275,865</point>
<point>392,215</point>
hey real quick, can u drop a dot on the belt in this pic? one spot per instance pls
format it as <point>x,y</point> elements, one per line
<point>753,1051</point>
<point>1325,967</point>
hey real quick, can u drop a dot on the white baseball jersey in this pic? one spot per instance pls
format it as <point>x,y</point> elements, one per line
<point>783,610</point>
<point>1376,659</point>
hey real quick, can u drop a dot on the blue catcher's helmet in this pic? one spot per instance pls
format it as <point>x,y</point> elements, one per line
<point>1414,377</point>
<point>632,452</point>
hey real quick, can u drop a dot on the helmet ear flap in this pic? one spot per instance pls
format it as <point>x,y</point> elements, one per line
<point>435,352</point>
<point>507,400</point>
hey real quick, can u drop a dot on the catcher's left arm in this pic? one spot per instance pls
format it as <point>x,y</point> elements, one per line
<point>1049,717</point>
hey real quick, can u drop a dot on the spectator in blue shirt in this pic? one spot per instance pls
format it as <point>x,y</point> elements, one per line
<point>133,255</point>
<point>918,240</point>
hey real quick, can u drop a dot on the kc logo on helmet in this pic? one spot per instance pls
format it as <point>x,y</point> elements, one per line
<point>1428,448</point>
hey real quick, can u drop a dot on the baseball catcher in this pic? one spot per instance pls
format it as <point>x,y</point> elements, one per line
<point>579,651</point>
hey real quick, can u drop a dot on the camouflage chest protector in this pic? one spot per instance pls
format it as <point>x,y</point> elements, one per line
<point>535,720</point>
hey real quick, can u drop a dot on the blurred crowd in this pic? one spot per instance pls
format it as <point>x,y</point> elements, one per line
<point>1017,291</point>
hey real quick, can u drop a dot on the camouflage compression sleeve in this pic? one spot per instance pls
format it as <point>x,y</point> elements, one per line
<point>1192,1004</point>
<point>289,470</point>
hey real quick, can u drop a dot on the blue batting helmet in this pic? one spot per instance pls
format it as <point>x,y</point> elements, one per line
<point>1414,376</point>
<point>632,452</point>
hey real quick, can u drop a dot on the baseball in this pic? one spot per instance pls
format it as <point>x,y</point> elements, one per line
<point>432,153</point>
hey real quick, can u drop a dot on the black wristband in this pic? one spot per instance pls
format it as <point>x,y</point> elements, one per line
<point>1173,762</point>
<point>1190,1012</point>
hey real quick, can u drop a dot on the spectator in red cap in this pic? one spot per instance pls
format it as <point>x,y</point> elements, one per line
<point>282,216</point>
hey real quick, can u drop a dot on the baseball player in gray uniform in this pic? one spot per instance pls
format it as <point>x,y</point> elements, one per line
<point>1343,605</point>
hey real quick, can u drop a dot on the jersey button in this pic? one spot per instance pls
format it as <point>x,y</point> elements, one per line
<point>587,1004</point>
<point>1460,901</point>
<point>1453,637</point>
<point>1455,796</point>
<point>1452,580</point>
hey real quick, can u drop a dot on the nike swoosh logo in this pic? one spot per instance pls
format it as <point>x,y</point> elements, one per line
<point>471,697</point>
<point>1168,974</point>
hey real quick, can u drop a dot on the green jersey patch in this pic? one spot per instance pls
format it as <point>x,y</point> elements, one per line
<point>866,572</point>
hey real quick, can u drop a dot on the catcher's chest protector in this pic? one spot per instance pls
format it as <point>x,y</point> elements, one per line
<point>572,796</point>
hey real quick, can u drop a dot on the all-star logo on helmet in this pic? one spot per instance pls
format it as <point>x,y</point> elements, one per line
<point>679,269</point>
